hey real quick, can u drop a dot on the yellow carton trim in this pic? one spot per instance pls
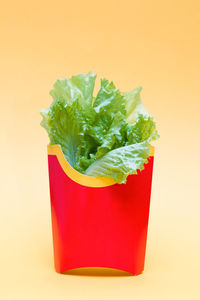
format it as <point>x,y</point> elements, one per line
<point>79,177</point>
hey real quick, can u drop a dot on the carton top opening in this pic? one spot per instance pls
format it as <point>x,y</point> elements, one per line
<point>79,177</point>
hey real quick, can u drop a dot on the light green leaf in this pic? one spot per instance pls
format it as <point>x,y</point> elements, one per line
<point>65,125</point>
<point>109,99</point>
<point>120,162</point>
<point>77,87</point>
<point>114,137</point>
<point>144,129</point>
<point>104,136</point>
<point>134,105</point>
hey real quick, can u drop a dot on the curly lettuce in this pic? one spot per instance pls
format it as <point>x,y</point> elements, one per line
<point>106,135</point>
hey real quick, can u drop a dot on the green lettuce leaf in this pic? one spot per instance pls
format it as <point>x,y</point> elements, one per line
<point>121,162</point>
<point>109,99</point>
<point>114,137</point>
<point>66,125</point>
<point>77,87</point>
<point>134,106</point>
<point>144,129</point>
<point>106,135</point>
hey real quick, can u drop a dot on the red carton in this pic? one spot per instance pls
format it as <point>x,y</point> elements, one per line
<point>97,222</point>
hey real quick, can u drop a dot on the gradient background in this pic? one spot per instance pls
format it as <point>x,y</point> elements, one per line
<point>155,44</point>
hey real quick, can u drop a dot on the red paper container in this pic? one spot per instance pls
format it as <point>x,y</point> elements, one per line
<point>96,222</point>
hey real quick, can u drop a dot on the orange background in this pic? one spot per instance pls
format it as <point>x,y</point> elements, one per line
<point>155,44</point>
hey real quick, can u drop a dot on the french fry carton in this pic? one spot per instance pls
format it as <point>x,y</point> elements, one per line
<point>95,221</point>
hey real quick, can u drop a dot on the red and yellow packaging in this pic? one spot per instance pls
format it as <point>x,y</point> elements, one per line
<point>97,222</point>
